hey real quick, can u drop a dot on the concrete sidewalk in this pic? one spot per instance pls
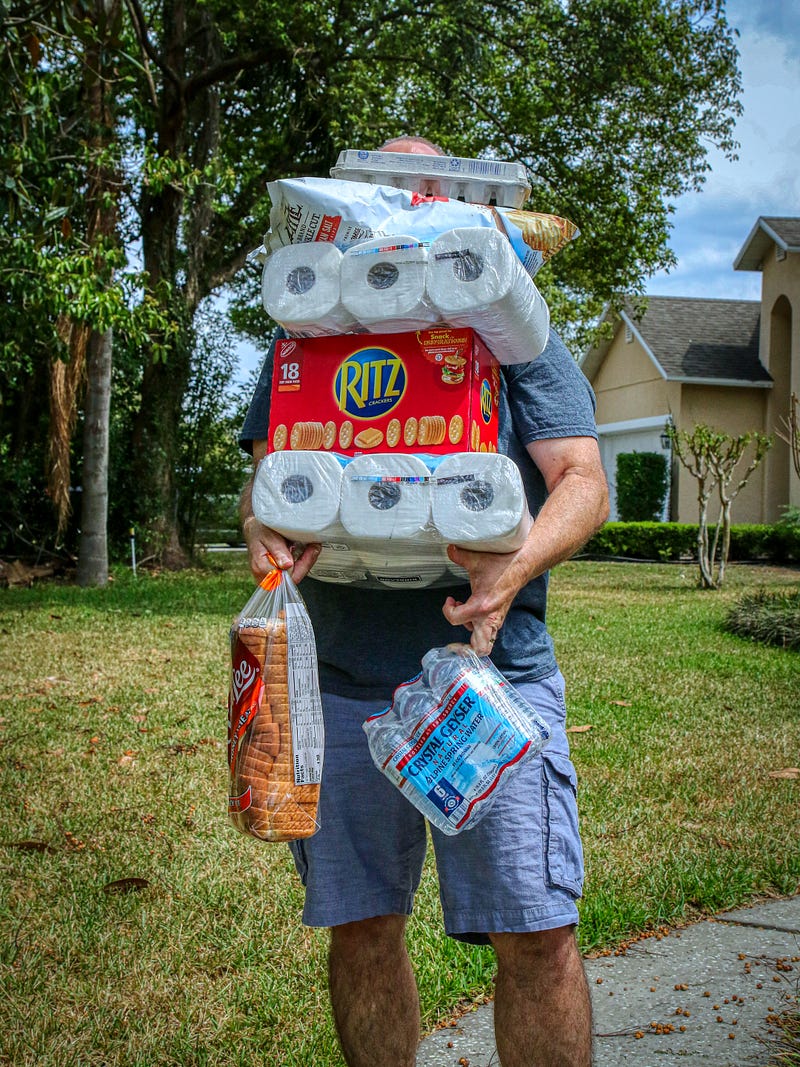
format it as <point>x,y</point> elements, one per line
<point>699,995</point>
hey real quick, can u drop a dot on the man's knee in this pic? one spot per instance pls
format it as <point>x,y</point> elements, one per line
<point>381,935</point>
<point>524,953</point>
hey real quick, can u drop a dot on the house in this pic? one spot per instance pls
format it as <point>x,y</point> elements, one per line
<point>731,364</point>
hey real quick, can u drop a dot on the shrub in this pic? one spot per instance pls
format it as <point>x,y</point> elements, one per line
<point>771,618</point>
<point>666,541</point>
<point>642,482</point>
<point>661,541</point>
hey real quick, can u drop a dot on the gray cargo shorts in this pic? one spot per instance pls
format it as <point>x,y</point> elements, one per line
<point>519,870</point>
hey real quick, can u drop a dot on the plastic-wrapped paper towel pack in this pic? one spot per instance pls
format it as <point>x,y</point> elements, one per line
<point>301,289</point>
<point>384,520</point>
<point>474,279</point>
<point>383,284</point>
<point>469,277</point>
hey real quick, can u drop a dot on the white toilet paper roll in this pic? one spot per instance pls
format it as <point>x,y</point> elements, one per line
<point>475,279</point>
<point>389,574</point>
<point>298,494</point>
<point>300,289</point>
<point>406,564</point>
<point>383,284</point>
<point>385,496</point>
<point>338,563</point>
<point>478,502</point>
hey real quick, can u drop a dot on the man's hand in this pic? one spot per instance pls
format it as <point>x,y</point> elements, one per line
<point>262,542</point>
<point>577,505</point>
<point>495,580</point>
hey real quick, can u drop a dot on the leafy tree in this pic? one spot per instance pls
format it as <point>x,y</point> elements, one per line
<point>611,105</point>
<point>790,432</point>
<point>711,456</point>
<point>211,465</point>
<point>63,276</point>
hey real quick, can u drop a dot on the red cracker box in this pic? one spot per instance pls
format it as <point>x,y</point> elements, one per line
<point>432,391</point>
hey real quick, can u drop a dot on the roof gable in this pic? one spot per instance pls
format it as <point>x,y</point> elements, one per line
<point>770,231</point>
<point>695,339</point>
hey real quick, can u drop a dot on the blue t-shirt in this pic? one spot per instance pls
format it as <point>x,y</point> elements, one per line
<point>370,640</point>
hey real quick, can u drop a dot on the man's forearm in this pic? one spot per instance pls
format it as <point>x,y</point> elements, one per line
<point>575,509</point>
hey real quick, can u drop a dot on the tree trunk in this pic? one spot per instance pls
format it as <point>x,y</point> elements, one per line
<point>725,548</point>
<point>101,201</point>
<point>93,549</point>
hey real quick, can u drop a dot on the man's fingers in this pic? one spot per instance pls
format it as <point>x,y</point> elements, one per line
<point>305,561</point>
<point>483,638</point>
<point>456,614</point>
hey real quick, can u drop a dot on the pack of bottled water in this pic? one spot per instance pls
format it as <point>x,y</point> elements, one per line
<point>454,736</point>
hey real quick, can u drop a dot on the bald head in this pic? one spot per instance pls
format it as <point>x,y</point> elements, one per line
<point>417,146</point>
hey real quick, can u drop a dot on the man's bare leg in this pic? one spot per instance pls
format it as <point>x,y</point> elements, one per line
<point>374,993</point>
<point>542,1010</point>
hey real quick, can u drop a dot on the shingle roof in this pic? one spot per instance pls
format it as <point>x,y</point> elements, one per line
<point>769,232</point>
<point>697,338</point>
<point>787,229</point>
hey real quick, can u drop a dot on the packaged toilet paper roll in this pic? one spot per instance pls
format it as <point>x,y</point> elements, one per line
<point>406,564</point>
<point>300,289</point>
<point>339,563</point>
<point>385,496</point>
<point>475,279</point>
<point>298,494</point>
<point>383,284</point>
<point>478,502</point>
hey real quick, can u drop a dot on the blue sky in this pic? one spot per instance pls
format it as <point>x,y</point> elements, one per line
<point>711,226</point>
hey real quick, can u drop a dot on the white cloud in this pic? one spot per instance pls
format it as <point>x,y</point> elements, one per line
<point>711,226</point>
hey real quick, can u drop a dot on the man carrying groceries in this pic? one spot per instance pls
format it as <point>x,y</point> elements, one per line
<point>513,879</point>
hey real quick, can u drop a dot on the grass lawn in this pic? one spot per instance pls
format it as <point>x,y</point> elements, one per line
<point>112,737</point>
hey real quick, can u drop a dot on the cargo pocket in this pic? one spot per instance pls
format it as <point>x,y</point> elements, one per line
<point>562,843</point>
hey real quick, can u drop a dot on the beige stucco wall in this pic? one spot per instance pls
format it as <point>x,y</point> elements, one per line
<point>735,411</point>
<point>780,353</point>
<point>628,385</point>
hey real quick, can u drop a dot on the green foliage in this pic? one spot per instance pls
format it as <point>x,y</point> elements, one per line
<point>768,617</point>
<point>712,457</point>
<point>212,467</point>
<point>671,541</point>
<point>612,105</point>
<point>642,483</point>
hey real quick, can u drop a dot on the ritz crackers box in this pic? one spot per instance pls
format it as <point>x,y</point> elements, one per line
<point>432,391</point>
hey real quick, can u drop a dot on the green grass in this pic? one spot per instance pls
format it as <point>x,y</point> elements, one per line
<point>112,736</point>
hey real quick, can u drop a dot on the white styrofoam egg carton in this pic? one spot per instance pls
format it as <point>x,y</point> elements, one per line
<point>475,181</point>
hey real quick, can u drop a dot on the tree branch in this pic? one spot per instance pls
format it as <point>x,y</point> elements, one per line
<point>148,51</point>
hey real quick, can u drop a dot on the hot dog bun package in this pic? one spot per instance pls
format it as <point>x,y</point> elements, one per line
<point>453,737</point>
<point>275,729</point>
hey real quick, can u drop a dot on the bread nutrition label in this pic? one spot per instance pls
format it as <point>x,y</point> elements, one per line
<point>305,704</point>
